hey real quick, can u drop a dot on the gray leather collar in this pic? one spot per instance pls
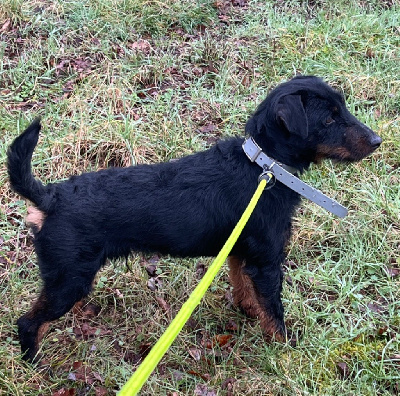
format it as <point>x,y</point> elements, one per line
<point>285,174</point>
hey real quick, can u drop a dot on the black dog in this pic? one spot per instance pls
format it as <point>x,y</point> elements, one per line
<point>186,207</point>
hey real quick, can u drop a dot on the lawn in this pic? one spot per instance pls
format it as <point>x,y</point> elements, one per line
<point>121,82</point>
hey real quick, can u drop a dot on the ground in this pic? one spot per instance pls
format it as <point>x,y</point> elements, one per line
<point>125,82</point>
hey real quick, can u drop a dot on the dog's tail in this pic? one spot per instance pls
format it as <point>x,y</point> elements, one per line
<point>19,166</point>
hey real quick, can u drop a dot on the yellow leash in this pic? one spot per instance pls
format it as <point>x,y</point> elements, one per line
<point>135,383</point>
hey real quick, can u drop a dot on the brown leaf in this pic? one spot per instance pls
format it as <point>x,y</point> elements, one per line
<point>203,390</point>
<point>98,377</point>
<point>145,349</point>
<point>231,326</point>
<point>64,392</point>
<point>151,270</point>
<point>227,385</point>
<point>91,310</point>
<point>6,26</point>
<point>291,264</point>
<point>374,307</point>
<point>163,304</point>
<point>393,272</point>
<point>229,297</point>
<point>101,391</point>
<point>85,331</point>
<point>154,284</point>
<point>77,365</point>
<point>222,339</point>
<point>141,45</point>
<point>195,353</point>
<point>132,357</point>
<point>369,53</point>
<point>118,293</point>
<point>239,3</point>
<point>200,270</point>
<point>343,369</point>
<point>82,65</point>
<point>382,330</point>
<point>178,375</point>
<point>192,324</point>
<point>205,377</point>
<point>208,128</point>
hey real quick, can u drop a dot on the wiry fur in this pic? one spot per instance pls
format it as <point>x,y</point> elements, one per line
<point>186,207</point>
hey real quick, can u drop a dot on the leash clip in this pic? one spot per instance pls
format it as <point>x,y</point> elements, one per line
<point>269,176</point>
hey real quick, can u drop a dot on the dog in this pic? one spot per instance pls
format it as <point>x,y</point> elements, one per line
<point>187,207</point>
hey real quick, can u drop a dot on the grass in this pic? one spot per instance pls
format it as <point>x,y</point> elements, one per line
<point>126,82</point>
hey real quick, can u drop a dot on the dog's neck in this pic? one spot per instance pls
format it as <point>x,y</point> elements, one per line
<point>272,170</point>
<point>278,150</point>
<point>253,150</point>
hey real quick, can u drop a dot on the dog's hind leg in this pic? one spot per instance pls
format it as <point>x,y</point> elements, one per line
<point>57,297</point>
<point>257,291</point>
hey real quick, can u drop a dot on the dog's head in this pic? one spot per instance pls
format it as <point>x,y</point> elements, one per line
<point>304,120</point>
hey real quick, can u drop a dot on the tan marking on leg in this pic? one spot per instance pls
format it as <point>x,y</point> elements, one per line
<point>35,218</point>
<point>246,297</point>
<point>41,332</point>
<point>38,306</point>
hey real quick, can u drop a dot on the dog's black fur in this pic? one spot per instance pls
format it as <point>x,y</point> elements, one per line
<point>186,207</point>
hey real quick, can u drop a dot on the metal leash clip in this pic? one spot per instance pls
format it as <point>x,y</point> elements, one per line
<point>269,176</point>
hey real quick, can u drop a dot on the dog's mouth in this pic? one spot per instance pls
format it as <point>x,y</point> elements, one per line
<point>353,150</point>
<point>341,154</point>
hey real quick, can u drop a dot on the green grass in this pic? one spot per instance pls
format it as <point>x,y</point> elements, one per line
<point>126,82</point>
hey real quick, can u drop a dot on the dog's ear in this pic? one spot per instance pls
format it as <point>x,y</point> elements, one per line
<point>290,111</point>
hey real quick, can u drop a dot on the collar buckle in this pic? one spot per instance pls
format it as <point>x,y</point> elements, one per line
<point>252,150</point>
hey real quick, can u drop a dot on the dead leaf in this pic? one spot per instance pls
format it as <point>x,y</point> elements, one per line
<point>222,339</point>
<point>141,45</point>
<point>101,391</point>
<point>203,390</point>
<point>239,3</point>
<point>227,385</point>
<point>205,377</point>
<point>64,392</point>
<point>192,324</point>
<point>154,284</point>
<point>151,270</point>
<point>231,326</point>
<point>393,272</point>
<point>208,128</point>
<point>343,369</point>
<point>200,270</point>
<point>382,330</point>
<point>145,349</point>
<point>291,264</point>
<point>178,375</point>
<point>229,297</point>
<point>85,331</point>
<point>6,26</point>
<point>163,304</point>
<point>195,353</point>
<point>374,307</point>
<point>132,357</point>
<point>98,377</point>
<point>91,310</point>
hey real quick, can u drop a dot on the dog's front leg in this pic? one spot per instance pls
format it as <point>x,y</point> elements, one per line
<point>257,290</point>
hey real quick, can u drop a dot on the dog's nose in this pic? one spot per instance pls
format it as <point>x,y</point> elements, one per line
<point>375,141</point>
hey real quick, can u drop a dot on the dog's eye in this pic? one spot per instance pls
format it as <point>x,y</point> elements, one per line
<point>329,121</point>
